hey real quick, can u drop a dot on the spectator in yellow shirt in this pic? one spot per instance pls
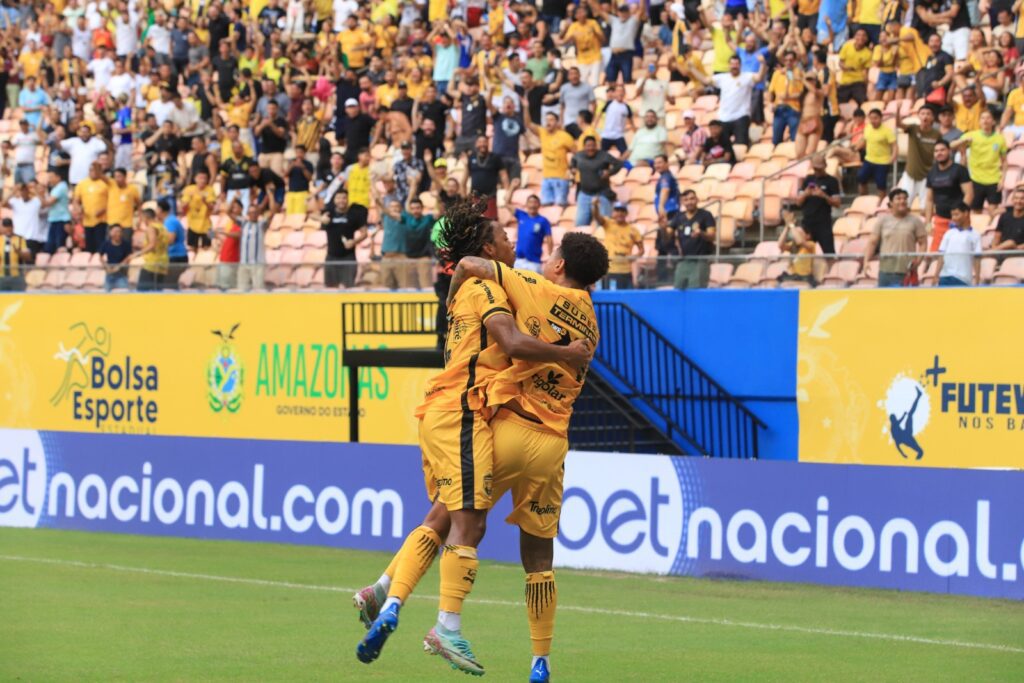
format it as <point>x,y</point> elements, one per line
<point>854,62</point>
<point>356,44</point>
<point>1013,116</point>
<point>879,151</point>
<point>587,36</point>
<point>197,202</point>
<point>621,238</point>
<point>556,146</point>
<point>886,57</point>
<point>968,108</point>
<point>986,162</point>
<point>92,198</point>
<point>123,201</point>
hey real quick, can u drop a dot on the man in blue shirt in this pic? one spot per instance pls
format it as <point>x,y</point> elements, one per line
<point>177,252</point>
<point>832,20</point>
<point>32,99</point>
<point>666,191</point>
<point>749,54</point>
<point>534,233</point>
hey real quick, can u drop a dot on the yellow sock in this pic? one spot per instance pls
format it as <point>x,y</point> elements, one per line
<point>458,573</point>
<point>413,561</point>
<point>541,601</point>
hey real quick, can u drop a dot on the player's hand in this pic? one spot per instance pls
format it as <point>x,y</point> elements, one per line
<point>580,352</point>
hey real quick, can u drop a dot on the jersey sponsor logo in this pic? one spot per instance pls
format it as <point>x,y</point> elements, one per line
<point>573,316</point>
<point>549,384</point>
<point>542,510</point>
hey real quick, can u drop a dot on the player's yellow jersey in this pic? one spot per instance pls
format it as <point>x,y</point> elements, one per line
<point>471,359</point>
<point>553,314</point>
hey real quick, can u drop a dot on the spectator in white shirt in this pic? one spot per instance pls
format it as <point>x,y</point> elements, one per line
<point>617,116</point>
<point>735,92</point>
<point>81,40</point>
<point>654,92</point>
<point>24,143</point>
<point>960,248</point>
<point>159,37</point>
<point>162,108</point>
<point>342,10</point>
<point>102,69</point>
<point>84,150</point>
<point>28,224</point>
<point>126,33</point>
<point>122,82</point>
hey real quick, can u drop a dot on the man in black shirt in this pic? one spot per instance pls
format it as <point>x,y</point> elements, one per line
<point>345,230</point>
<point>218,26</point>
<point>1010,228</point>
<point>300,172</point>
<point>225,68</point>
<point>358,129</point>
<point>695,231</point>
<point>508,128</point>
<point>717,148</point>
<point>595,167</point>
<point>430,107</point>
<point>486,172</point>
<point>473,109</point>
<point>237,181</point>
<point>819,194</point>
<point>948,184</point>
<point>269,188</point>
<point>403,103</point>
<point>937,72</point>
<point>429,138</point>
<point>272,130</point>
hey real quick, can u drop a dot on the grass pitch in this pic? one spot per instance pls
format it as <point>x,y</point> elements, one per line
<point>98,607</point>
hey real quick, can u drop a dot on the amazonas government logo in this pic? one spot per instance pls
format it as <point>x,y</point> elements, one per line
<point>224,374</point>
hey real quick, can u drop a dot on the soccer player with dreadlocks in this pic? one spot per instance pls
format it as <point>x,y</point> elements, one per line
<point>458,455</point>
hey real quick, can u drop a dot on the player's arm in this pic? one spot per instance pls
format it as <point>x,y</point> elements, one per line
<point>513,343</point>
<point>470,267</point>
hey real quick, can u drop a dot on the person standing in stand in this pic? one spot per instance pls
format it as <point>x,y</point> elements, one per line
<point>345,231</point>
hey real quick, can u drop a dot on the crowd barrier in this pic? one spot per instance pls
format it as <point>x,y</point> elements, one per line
<point>937,530</point>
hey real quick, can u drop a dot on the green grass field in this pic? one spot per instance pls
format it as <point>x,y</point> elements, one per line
<point>97,607</point>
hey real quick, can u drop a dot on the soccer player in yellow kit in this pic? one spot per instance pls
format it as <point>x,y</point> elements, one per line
<point>531,424</point>
<point>456,439</point>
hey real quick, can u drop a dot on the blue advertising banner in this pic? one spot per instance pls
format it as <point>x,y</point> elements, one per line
<point>939,530</point>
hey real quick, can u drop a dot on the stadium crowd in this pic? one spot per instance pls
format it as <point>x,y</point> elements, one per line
<point>314,142</point>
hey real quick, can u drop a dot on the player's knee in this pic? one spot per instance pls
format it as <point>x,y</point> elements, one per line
<point>468,527</point>
<point>439,521</point>
<point>537,554</point>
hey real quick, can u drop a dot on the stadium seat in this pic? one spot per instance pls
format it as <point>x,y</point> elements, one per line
<point>316,239</point>
<point>988,270</point>
<point>842,273</point>
<point>747,274</point>
<point>870,274</point>
<point>721,273</point>
<point>717,171</point>
<point>854,246</point>
<point>293,239</point>
<point>865,205</point>
<point>768,249</point>
<point>773,271</point>
<point>928,273</point>
<point>743,171</point>
<point>794,284</point>
<point>1011,272</point>
<point>848,226</point>
<point>691,173</point>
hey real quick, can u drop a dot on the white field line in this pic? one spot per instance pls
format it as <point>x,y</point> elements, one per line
<point>703,621</point>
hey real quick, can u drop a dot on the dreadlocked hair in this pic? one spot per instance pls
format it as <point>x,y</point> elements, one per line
<point>464,230</point>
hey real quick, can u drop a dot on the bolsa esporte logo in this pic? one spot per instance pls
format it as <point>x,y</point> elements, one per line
<point>940,394</point>
<point>101,389</point>
<point>225,374</point>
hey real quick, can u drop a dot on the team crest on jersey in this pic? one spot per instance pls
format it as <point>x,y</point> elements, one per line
<point>533,326</point>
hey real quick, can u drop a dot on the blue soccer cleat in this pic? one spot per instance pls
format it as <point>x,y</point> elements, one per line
<point>539,673</point>
<point>454,649</point>
<point>372,643</point>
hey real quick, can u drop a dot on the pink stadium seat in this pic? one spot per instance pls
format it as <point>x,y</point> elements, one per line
<point>720,274</point>
<point>293,239</point>
<point>773,271</point>
<point>1011,272</point>
<point>794,284</point>
<point>842,273</point>
<point>552,213</point>
<point>317,239</point>
<point>717,171</point>
<point>743,171</point>
<point>747,274</point>
<point>855,246</point>
<point>291,256</point>
<point>1016,158</point>
<point>865,205</point>
<point>848,225</point>
<point>988,270</point>
<point>767,249</point>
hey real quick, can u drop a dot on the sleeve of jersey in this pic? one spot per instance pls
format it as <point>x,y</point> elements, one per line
<point>487,300</point>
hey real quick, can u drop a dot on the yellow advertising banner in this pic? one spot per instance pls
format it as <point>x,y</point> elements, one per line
<point>260,366</point>
<point>911,377</point>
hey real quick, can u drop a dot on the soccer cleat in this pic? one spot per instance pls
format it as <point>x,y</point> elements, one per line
<point>372,643</point>
<point>454,649</point>
<point>540,673</point>
<point>368,602</point>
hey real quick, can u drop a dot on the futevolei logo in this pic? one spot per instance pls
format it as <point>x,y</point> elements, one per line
<point>942,395</point>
